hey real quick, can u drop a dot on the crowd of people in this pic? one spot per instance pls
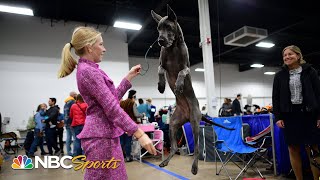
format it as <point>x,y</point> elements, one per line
<point>50,124</point>
<point>233,108</point>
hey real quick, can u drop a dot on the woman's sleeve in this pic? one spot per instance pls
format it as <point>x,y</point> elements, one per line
<point>316,86</point>
<point>123,87</point>
<point>96,87</point>
<point>276,98</point>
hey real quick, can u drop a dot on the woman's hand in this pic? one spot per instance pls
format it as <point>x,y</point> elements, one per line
<point>146,143</point>
<point>280,123</point>
<point>135,70</point>
<point>318,123</point>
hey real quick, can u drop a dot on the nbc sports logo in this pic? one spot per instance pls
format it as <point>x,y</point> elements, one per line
<point>22,162</point>
<point>54,162</point>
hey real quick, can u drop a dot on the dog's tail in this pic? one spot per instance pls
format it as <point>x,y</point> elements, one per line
<point>215,124</point>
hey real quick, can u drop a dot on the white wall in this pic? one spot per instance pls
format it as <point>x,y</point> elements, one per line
<point>232,82</point>
<point>30,52</point>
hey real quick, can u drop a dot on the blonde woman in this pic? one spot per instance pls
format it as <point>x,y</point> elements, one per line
<point>105,120</point>
<point>296,105</point>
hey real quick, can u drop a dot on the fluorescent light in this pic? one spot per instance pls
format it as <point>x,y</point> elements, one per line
<point>257,65</point>
<point>126,25</point>
<point>199,69</point>
<point>269,73</point>
<point>16,10</point>
<point>265,44</point>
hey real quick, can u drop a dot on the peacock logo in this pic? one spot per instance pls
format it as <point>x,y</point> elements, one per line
<point>22,162</point>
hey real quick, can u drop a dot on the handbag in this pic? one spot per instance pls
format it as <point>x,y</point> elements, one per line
<point>60,123</point>
<point>40,134</point>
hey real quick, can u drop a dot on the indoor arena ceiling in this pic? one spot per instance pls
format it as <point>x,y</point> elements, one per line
<point>287,22</point>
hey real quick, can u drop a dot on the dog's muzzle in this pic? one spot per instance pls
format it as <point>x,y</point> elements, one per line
<point>161,42</point>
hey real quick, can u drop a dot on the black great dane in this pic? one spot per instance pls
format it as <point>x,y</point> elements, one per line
<point>174,63</point>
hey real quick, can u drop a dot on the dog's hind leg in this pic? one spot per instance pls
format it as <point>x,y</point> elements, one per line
<point>176,122</point>
<point>195,117</point>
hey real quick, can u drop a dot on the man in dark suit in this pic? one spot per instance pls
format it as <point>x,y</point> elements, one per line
<point>236,107</point>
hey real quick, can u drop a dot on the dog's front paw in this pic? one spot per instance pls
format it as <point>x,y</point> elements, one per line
<point>161,87</point>
<point>178,90</point>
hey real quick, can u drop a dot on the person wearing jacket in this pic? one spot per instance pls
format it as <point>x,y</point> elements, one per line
<point>226,107</point>
<point>296,106</point>
<point>143,108</point>
<point>151,110</point>
<point>78,116</point>
<point>50,129</point>
<point>38,130</point>
<point>236,106</point>
<point>67,121</point>
<point>106,121</point>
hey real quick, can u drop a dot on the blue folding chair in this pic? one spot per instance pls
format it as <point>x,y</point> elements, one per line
<point>230,143</point>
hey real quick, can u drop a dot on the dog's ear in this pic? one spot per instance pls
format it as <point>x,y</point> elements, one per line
<point>156,16</point>
<point>171,15</point>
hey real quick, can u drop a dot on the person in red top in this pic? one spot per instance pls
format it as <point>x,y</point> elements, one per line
<point>78,116</point>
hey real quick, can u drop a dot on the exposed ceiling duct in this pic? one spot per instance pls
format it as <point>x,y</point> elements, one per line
<point>245,36</point>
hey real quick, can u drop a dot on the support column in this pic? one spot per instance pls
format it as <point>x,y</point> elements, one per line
<point>206,44</point>
<point>273,146</point>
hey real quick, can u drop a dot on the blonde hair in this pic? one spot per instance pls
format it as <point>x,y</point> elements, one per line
<point>81,37</point>
<point>297,50</point>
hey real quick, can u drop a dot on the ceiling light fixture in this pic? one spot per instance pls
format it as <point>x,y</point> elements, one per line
<point>256,65</point>
<point>269,73</point>
<point>16,10</point>
<point>265,44</point>
<point>127,25</point>
<point>199,70</point>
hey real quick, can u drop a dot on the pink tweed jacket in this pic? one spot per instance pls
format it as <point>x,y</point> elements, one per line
<point>105,118</point>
